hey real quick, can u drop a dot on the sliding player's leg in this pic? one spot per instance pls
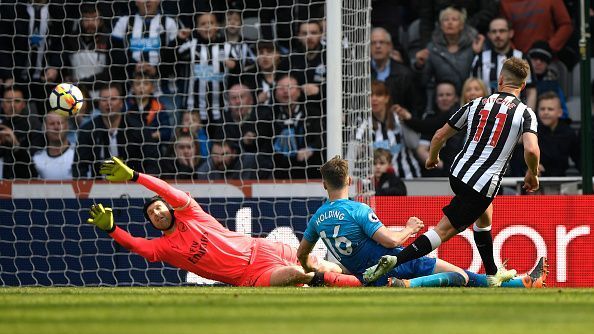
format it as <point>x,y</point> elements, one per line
<point>443,274</point>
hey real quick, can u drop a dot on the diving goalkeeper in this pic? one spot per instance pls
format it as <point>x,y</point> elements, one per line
<point>195,241</point>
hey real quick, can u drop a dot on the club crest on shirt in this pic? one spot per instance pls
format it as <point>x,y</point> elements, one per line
<point>182,227</point>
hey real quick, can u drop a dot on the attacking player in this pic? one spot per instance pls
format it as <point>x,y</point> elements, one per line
<point>194,241</point>
<point>357,239</point>
<point>493,126</point>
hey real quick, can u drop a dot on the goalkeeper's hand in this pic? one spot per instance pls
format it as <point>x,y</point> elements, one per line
<point>116,170</point>
<point>101,217</point>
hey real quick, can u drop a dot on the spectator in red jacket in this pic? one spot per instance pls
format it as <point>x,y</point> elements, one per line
<point>546,20</point>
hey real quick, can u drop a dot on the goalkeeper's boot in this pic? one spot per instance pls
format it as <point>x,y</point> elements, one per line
<point>394,282</point>
<point>385,264</point>
<point>539,274</point>
<point>502,275</point>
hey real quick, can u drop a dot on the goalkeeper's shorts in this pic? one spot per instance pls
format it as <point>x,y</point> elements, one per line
<point>266,257</point>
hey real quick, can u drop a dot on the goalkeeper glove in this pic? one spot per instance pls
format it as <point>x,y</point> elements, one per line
<point>116,170</point>
<point>101,217</point>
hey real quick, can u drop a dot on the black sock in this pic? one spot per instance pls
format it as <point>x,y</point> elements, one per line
<point>420,247</point>
<point>317,280</point>
<point>484,243</point>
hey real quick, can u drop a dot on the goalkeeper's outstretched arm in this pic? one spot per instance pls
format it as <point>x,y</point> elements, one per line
<point>116,170</point>
<point>102,217</point>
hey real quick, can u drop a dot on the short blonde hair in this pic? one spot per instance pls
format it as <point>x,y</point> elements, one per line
<point>515,72</point>
<point>453,10</point>
<point>336,173</point>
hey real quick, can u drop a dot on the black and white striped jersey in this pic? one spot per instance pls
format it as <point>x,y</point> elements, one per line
<point>145,37</point>
<point>206,72</point>
<point>487,66</point>
<point>493,125</point>
<point>404,159</point>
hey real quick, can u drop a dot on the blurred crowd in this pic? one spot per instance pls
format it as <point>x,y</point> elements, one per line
<point>219,90</point>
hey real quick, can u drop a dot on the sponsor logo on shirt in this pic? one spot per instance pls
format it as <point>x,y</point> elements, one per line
<point>198,249</point>
<point>145,44</point>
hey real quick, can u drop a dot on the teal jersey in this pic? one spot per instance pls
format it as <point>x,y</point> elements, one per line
<point>346,227</point>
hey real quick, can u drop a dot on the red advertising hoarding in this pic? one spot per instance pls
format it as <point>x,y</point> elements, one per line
<point>524,229</point>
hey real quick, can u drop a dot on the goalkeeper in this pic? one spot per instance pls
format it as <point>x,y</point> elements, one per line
<point>195,241</point>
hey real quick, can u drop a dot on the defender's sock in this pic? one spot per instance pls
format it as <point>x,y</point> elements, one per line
<point>437,280</point>
<point>420,247</point>
<point>484,243</point>
<point>518,282</point>
<point>476,280</point>
<point>480,281</point>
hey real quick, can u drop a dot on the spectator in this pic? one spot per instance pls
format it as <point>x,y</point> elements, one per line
<point>17,116</point>
<point>190,122</point>
<point>225,163</point>
<point>451,50</point>
<point>183,159</point>
<point>473,88</point>
<point>385,179</point>
<point>239,118</point>
<point>401,81</point>
<point>31,41</point>
<point>205,59</point>
<point>480,13</point>
<point>309,61</point>
<point>20,136</point>
<point>546,77</point>
<point>446,102</point>
<point>145,42</point>
<point>87,56</point>
<point>388,133</point>
<point>296,131</point>
<point>544,20</point>
<point>261,76</point>
<point>113,133</point>
<point>241,48</point>
<point>487,64</point>
<point>557,141</point>
<point>147,108</point>
<point>55,161</point>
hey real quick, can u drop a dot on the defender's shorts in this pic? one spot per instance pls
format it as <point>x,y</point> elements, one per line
<point>422,266</point>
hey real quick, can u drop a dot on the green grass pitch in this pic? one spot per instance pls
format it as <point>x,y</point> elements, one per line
<point>207,310</point>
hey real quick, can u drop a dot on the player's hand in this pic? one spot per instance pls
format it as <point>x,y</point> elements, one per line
<point>432,163</point>
<point>101,217</point>
<point>116,170</point>
<point>531,183</point>
<point>415,224</point>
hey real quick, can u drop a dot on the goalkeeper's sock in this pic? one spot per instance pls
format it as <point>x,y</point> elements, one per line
<point>484,244</point>
<point>480,281</point>
<point>422,246</point>
<point>341,280</point>
<point>438,280</point>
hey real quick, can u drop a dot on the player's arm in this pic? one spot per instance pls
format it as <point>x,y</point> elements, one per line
<point>391,239</point>
<point>116,170</point>
<point>303,252</point>
<point>532,158</point>
<point>310,237</point>
<point>102,217</point>
<point>439,139</point>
